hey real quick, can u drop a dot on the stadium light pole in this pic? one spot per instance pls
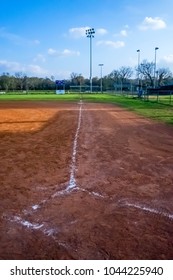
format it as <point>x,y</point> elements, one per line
<point>90,34</point>
<point>138,51</point>
<point>155,56</point>
<point>101,84</point>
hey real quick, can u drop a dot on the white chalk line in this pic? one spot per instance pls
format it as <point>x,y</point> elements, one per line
<point>33,226</point>
<point>72,181</point>
<point>67,191</point>
<point>96,194</point>
<point>40,227</point>
<point>147,209</point>
<point>70,187</point>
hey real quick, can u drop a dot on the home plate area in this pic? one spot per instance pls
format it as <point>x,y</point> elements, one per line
<point>84,181</point>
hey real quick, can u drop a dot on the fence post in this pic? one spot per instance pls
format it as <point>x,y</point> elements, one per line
<point>147,95</point>
<point>170,97</point>
<point>157,96</point>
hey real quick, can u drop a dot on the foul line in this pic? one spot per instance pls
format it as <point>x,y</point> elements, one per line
<point>148,209</point>
<point>71,185</point>
<point>72,182</point>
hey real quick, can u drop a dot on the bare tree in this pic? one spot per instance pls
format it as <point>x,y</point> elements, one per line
<point>52,78</point>
<point>125,73</point>
<point>163,74</point>
<point>146,69</point>
<point>114,75</point>
<point>21,79</point>
<point>77,79</point>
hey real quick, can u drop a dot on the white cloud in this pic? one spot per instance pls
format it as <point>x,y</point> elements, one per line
<point>101,31</point>
<point>113,44</point>
<point>78,32</point>
<point>152,23</point>
<point>35,69</point>
<point>12,66</point>
<point>123,33</point>
<point>52,51</point>
<point>40,58</point>
<point>62,74</point>
<point>65,52</point>
<point>168,58</point>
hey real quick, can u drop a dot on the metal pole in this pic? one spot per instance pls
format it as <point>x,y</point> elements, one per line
<point>89,34</point>
<point>156,48</point>
<point>138,51</point>
<point>91,64</point>
<point>101,84</point>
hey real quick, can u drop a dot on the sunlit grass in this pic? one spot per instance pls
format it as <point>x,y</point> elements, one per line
<point>149,109</point>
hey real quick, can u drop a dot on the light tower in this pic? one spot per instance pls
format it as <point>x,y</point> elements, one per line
<point>138,51</point>
<point>156,48</point>
<point>90,34</point>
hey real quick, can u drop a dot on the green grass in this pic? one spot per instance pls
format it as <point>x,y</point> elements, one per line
<point>165,99</point>
<point>152,110</point>
<point>39,97</point>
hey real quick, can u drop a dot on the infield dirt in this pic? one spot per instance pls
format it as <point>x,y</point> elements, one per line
<point>120,205</point>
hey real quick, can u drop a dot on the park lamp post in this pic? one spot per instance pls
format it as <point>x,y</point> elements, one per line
<point>138,51</point>
<point>155,56</point>
<point>90,34</point>
<point>101,84</point>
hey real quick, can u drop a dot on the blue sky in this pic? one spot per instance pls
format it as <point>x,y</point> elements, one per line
<point>47,37</point>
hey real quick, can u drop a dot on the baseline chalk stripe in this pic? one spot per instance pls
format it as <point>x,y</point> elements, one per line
<point>72,182</point>
<point>148,209</point>
<point>26,223</point>
<point>34,226</point>
<point>70,187</point>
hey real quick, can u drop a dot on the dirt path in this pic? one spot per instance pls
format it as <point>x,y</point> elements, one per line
<point>84,181</point>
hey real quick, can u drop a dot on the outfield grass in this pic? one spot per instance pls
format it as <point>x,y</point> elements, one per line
<point>152,110</point>
<point>39,97</point>
<point>157,111</point>
<point>165,99</point>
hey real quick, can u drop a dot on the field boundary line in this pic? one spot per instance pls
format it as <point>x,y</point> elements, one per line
<point>147,209</point>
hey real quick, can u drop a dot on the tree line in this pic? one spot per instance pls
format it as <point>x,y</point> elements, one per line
<point>145,75</point>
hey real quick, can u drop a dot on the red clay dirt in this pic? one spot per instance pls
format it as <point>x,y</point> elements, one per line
<point>120,206</point>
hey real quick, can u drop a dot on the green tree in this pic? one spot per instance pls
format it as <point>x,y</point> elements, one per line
<point>5,81</point>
